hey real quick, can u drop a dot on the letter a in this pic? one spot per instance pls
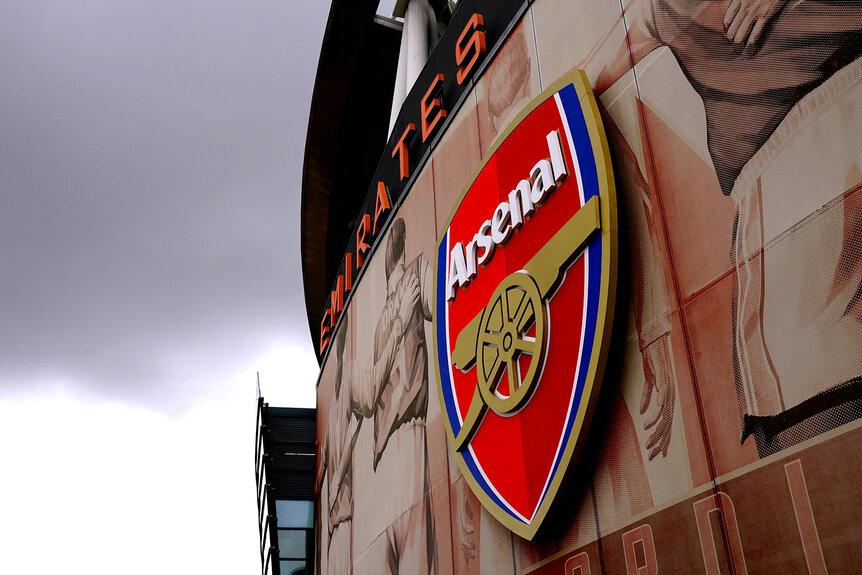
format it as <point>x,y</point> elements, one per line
<point>381,206</point>
<point>457,271</point>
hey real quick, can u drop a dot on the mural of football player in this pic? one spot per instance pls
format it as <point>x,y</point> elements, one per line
<point>354,388</point>
<point>507,83</point>
<point>397,406</point>
<point>764,69</point>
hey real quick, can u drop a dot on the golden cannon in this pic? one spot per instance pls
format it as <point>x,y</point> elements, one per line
<point>497,336</point>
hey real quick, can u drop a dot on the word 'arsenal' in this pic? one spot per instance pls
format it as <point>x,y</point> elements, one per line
<point>507,218</point>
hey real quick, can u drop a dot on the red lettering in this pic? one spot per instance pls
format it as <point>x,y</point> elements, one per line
<point>325,324</point>
<point>475,46</point>
<point>805,518</point>
<point>722,504</point>
<point>401,150</point>
<point>429,107</point>
<point>578,565</point>
<point>642,535</point>
<point>361,245</point>
<point>337,297</point>
<point>348,271</point>
<point>381,205</point>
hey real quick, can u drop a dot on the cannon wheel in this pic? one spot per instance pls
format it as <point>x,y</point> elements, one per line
<point>514,307</point>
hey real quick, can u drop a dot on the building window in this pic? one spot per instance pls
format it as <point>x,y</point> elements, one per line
<point>295,535</point>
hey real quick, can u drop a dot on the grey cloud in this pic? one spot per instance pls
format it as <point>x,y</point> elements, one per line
<point>150,162</point>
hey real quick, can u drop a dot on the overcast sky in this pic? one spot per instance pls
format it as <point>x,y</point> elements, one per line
<point>150,165</point>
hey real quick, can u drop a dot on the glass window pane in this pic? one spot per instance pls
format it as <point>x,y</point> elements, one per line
<point>292,567</point>
<point>291,543</point>
<point>295,513</point>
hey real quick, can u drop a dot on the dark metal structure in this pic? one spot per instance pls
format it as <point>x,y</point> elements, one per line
<point>346,137</point>
<point>284,458</point>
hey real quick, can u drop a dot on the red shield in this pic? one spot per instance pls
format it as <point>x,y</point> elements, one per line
<point>525,277</point>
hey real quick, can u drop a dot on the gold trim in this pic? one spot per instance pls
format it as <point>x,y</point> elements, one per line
<point>607,211</point>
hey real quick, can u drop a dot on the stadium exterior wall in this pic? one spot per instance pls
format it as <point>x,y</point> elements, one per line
<point>727,436</point>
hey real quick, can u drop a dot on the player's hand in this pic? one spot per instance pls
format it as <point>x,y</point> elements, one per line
<point>744,20</point>
<point>658,381</point>
<point>464,517</point>
<point>409,299</point>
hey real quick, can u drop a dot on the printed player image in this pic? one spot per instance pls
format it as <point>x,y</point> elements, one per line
<point>388,401</point>
<point>790,70</point>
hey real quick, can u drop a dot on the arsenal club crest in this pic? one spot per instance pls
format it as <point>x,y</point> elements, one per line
<point>525,283</point>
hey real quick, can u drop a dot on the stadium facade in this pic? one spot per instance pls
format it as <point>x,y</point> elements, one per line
<point>585,281</point>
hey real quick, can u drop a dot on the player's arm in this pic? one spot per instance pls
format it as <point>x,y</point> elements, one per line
<point>321,469</point>
<point>348,442</point>
<point>426,289</point>
<point>362,389</point>
<point>651,294</point>
<point>321,472</point>
<point>387,338</point>
<point>338,510</point>
<point>365,385</point>
<point>464,519</point>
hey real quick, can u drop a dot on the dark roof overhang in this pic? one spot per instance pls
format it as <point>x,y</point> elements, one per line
<point>347,133</point>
